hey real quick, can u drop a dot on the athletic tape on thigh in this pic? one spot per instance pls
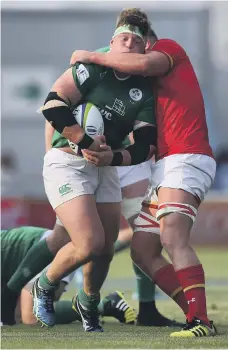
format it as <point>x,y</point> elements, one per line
<point>173,207</point>
<point>146,223</point>
<point>131,206</point>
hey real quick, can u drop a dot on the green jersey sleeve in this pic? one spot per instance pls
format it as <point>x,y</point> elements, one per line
<point>104,49</point>
<point>147,112</point>
<point>86,76</point>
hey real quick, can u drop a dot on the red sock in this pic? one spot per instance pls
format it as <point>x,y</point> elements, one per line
<point>192,281</point>
<point>167,281</point>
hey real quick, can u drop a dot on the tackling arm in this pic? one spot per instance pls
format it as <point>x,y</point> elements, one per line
<point>153,63</point>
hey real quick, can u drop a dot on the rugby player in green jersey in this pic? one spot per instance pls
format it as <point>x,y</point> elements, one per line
<point>18,243</point>
<point>90,210</point>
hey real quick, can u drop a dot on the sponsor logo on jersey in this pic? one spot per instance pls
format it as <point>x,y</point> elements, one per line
<point>82,73</point>
<point>107,115</point>
<point>118,107</point>
<point>91,130</point>
<point>135,94</point>
<point>64,189</point>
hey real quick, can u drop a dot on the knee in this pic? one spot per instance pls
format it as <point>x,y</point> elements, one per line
<point>57,239</point>
<point>107,252</point>
<point>91,248</point>
<point>173,235</point>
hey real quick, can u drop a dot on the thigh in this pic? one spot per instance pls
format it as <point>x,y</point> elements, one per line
<point>132,199</point>
<point>146,220</point>
<point>109,214</point>
<point>67,176</point>
<point>81,220</point>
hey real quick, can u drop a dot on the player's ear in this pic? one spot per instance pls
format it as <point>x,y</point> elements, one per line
<point>111,43</point>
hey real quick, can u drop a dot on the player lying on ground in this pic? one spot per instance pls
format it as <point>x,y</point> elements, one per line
<point>15,245</point>
<point>90,209</point>
<point>183,174</point>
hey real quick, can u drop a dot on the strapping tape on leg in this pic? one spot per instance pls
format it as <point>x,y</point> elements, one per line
<point>173,207</point>
<point>146,223</point>
<point>131,207</point>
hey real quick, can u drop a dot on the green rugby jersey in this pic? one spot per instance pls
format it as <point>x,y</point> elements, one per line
<point>126,141</point>
<point>15,243</point>
<point>121,101</point>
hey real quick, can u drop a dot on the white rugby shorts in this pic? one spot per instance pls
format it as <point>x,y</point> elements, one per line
<point>67,176</point>
<point>193,173</point>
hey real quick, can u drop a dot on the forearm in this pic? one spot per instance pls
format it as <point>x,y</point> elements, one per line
<point>136,64</point>
<point>133,155</point>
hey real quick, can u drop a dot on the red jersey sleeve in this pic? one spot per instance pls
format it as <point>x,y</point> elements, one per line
<point>170,48</point>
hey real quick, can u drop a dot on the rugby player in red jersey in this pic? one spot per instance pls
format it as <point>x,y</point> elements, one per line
<point>183,174</point>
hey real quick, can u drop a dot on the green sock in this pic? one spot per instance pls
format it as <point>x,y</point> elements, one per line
<point>37,258</point>
<point>145,287</point>
<point>64,313</point>
<point>101,306</point>
<point>88,301</point>
<point>121,245</point>
<point>45,283</point>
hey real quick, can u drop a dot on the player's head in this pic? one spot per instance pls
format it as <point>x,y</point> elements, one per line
<point>152,37</point>
<point>133,15</point>
<point>131,32</point>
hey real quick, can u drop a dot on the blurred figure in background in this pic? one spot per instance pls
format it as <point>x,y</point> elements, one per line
<point>13,209</point>
<point>8,174</point>
<point>221,178</point>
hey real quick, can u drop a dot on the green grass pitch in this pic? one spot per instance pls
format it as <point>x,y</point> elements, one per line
<point>121,336</point>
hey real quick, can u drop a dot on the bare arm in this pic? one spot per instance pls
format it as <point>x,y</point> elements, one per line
<point>66,88</point>
<point>56,110</point>
<point>153,63</point>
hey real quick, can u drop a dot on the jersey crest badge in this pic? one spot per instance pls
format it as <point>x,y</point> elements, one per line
<point>135,94</point>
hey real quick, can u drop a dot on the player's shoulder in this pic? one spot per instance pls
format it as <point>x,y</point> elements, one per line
<point>89,72</point>
<point>168,43</point>
<point>88,68</point>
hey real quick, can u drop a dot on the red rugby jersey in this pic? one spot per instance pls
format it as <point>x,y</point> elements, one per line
<point>181,120</point>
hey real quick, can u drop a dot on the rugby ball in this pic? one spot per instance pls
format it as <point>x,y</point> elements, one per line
<point>90,119</point>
